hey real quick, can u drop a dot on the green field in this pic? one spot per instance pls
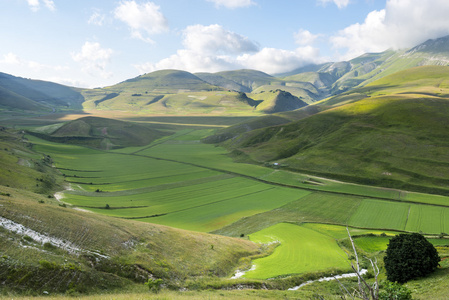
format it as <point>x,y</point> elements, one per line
<point>380,214</point>
<point>300,250</point>
<point>179,182</point>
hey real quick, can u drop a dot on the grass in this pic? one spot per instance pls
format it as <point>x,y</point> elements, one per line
<point>379,214</point>
<point>157,249</point>
<point>300,250</point>
<point>428,219</point>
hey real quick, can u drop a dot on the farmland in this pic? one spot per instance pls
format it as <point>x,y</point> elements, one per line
<point>179,181</point>
<point>300,250</point>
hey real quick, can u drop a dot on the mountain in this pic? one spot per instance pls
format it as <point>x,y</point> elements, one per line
<point>343,76</point>
<point>102,133</point>
<point>36,95</point>
<point>391,132</point>
<point>180,92</point>
<point>255,82</point>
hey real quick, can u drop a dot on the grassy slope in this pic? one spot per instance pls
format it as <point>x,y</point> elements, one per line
<point>402,120</point>
<point>102,133</point>
<point>22,168</point>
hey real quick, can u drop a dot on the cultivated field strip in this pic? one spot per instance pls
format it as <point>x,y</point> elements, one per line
<point>155,184</point>
<point>177,198</point>
<point>218,214</point>
<point>301,250</point>
<point>401,216</point>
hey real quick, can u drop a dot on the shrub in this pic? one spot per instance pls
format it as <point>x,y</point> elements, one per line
<point>154,285</point>
<point>394,291</point>
<point>410,256</point>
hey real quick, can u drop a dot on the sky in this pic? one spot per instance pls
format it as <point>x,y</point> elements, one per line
<point>97,43</point>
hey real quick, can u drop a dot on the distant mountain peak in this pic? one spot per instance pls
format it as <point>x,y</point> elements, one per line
<point>437,45</point>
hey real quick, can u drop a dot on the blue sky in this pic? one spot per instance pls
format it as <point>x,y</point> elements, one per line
<point>102,42</point>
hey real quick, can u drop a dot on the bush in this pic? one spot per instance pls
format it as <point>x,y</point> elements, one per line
<point>394,291</point>
<point>154,285</point>
<point>410,256</point>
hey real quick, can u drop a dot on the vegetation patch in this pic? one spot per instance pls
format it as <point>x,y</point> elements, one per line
<point>300,250</point>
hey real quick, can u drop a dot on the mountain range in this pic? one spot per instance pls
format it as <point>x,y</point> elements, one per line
<point>222,93</point>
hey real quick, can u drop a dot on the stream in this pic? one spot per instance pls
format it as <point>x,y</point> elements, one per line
<point>348,275</point>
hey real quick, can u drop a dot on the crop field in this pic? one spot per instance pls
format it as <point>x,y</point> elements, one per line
<point>301,250</point>
<point>380,214</point>
<point>166,192</point>
<point>401,216</point>
<point>429,219</point>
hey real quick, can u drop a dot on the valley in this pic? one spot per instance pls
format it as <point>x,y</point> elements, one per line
<point>190,178</point>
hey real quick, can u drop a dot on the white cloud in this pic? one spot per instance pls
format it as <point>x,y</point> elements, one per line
<point>50,5</point>
<point>35,5</point>
<point>12,59</point>
<point>190,61</point>
<point>232,3</point>
<point>94,59</point>
<point>402,24</point>
<point>214,39</point>
<point>207,49</point>
<point>272,61</point>
<point>96,19</point>
<point>340,3</point>
<point>144,20</point>
<point>213,48</point>
<point>305,37</point>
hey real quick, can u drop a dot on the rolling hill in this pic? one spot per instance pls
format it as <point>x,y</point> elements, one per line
<point>36,95</point>
<point>179,92</point>
<point>368,135</point>
<point>102,133</point>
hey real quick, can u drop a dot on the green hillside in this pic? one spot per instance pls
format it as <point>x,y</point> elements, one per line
<point>102,133</point>
<point>256,82</point>
<point>53,248</point>
<point>369,139</point>
<point>279,101</point>
<point>37,95</point>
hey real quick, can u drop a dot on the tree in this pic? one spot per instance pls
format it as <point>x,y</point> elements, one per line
<point>410,256</point>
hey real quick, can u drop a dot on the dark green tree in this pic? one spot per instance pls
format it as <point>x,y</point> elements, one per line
<point>410,256</point>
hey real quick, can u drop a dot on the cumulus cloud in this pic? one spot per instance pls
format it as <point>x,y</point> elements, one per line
<point>232,3</point>
<point>272,61</point>
<point>35,5</point>
<point>305,37</point>
<point>206,49</point>
<point>144,20</point>
<point>402,24</point>
<point>214,39</point>
<point>94,59</point>
<point>340,3</point>
<point>213,48</point>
